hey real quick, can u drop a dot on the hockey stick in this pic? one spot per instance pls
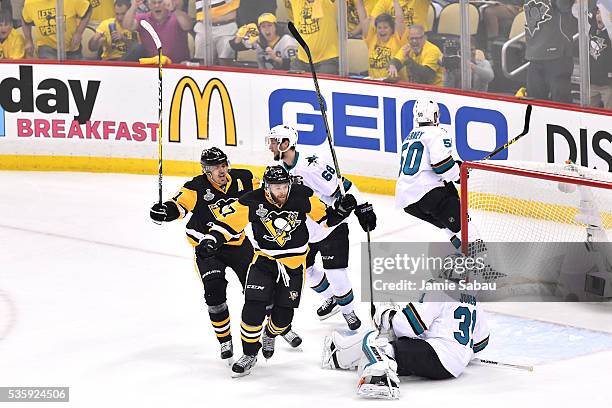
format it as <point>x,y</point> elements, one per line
<point>500,364</point>
<point>302,43</point>
<point>147,26</point>
<point>516,138</point>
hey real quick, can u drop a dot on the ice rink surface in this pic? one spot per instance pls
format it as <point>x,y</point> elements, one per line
<point>96,297</point>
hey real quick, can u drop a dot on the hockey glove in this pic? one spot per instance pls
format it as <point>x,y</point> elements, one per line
<point>366,216</point>
<point>164,212</point>
<point>210,244</point>
<point>342,209</point>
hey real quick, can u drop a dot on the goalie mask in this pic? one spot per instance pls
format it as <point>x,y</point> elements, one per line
<point>426,112</point>
<point>277,135</point>
<point>277,184</point>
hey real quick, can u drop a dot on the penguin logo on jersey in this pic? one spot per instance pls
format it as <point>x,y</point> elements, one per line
<point>536,14</point>
<point>222,207</point>
<point>280,226</point>
<point>293,295</point>
<point>209,196</point>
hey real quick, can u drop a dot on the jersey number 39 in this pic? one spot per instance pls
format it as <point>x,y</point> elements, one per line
<point>411,158</point>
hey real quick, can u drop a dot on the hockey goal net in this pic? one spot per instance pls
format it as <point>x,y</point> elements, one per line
<point>532,208</point>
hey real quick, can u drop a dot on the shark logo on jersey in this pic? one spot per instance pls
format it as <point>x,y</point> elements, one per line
<point>280,225</point>
<point>312,159</point>
<point>222,207</point>
<point>209,196</point>
<point>536,14</point>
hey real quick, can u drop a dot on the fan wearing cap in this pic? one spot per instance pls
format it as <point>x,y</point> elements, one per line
<point>274,48</point>
<point>277,214</point>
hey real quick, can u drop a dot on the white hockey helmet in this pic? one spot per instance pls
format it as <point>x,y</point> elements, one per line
<point>426,111</point>
<point>281,132</point>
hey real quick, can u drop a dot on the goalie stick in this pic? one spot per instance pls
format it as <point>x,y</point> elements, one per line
<point>147,26</point>
<point>303,44</point>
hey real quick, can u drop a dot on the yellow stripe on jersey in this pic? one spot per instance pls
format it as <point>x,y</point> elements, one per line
<point>186,198</point>
<point>317,209</point>
<point>292,262</point>
<point>256,183</point>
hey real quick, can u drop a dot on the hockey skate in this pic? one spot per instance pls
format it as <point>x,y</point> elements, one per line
<point>227,352</point>
<point>352,320</point>
<point>292,338</point>
<point>243,366</point>
<point>267,344</point>
<point>328,309</point>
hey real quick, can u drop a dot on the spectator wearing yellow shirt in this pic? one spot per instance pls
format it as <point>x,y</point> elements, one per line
<point>418,61</point>
<point>40,15</point>
<point>315,20</point>
<point>384,37</point>
<point>117,42</point>
<point>101,10</point>
<point>12,44</point>
<point>415,11</point>
<point>353,24</point>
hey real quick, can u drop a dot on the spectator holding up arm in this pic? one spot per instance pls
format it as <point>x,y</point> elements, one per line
<point>415,11</point>
<point>169,21</point>
<point>117,42</point>
<point>384,38</point>
<point>418,61</point>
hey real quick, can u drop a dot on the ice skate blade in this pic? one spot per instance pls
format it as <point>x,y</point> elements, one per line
<point>334,311</point>
<point>238,375</point>
<point>229,361</point>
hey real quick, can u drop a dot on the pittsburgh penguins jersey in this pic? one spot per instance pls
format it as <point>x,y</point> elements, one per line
<point>280,233</point>
<point>426,162</point>
<point>321,177</point>
<point>208,202</point>
<point>455,330</point>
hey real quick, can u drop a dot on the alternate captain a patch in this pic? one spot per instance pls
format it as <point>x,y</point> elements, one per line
<point>221,207</point>
<point>280,225</point>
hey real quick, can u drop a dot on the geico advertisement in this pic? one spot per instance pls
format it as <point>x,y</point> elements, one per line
<point>97,105</point>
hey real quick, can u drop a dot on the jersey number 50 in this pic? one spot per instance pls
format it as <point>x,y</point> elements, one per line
<point>411,158</point>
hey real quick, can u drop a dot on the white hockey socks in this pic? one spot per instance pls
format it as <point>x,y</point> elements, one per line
<point>342,288</point>
<point>317,280</point>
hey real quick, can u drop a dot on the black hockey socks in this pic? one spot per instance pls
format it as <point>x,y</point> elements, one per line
<point>220,319</point>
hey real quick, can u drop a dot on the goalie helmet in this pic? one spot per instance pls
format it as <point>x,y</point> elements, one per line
<point>426,111</point>
<point>212,157</point>
<point>281,132</point>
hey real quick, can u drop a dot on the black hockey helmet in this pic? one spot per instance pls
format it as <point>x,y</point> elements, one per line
<point>276,175</point>
<point>212,157</point>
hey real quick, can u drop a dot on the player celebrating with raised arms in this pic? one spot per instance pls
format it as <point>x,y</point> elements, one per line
<point>207,197</point>
<point>333,244</point>
<point>277,214</point>
<point>427,171</point>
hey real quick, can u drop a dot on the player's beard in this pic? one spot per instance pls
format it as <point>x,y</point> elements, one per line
<point>278,155</point>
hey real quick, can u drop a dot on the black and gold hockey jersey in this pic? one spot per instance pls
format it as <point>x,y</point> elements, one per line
<point>280,233</point>
<point>208,202</point>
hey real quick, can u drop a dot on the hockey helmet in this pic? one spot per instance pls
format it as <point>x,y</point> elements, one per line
<point>276,175</point>
<point>281,132</point>
<point>426,111</point>
<point>212,157</point>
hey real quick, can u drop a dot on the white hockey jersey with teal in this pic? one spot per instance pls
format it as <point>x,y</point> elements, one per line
<point>455,330</point>
<point>426,163</point>
<point>321,177</point>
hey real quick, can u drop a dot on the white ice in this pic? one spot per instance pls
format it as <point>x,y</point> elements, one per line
<point>107,303</point>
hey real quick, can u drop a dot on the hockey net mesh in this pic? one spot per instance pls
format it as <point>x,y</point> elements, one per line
<point>523,208</point>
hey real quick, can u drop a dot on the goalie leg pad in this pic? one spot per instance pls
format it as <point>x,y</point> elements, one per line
<point>341,352</point>
<point>379,373</point>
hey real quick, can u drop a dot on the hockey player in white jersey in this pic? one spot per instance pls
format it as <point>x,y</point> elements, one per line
<point>424,187</point>
<point>332,282</point>
<point>435,339</point>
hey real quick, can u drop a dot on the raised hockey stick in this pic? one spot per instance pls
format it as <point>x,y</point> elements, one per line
<point>516,138</point>
<point>147,26</point>
<point>500,364</point>
<point>303,44</point>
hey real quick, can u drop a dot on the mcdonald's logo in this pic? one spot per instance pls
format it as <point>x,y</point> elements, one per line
<point>201,102</point>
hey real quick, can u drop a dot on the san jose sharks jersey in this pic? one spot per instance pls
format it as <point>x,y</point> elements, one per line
<point>426,162</point>
<point>280,233</point>
<point>208,202</point>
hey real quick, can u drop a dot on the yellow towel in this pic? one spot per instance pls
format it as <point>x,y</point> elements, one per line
<point>155,60</point>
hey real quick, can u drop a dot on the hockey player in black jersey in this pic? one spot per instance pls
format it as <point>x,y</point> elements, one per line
<point>277,214</point>
<point>208,197</point>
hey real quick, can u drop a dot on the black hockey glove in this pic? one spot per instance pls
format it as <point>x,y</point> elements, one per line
<point>366,216</point>
<point>210,244</point>
<point>164,212</point>
<point>342,209</point>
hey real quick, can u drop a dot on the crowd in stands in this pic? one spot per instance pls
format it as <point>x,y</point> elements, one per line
<point>415,41</point>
